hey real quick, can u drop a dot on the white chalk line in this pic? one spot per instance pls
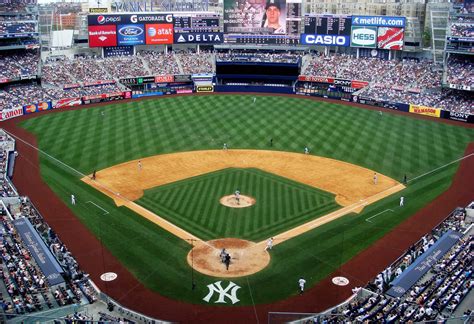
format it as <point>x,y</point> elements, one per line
<point>386,210</point>
<point>91,202</point>
<point>443,166</point>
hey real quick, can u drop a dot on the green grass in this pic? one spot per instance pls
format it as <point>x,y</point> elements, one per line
<point>390,144</point>
<point>193,204</point>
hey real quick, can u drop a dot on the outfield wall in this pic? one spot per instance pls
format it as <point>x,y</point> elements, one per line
<point>343,96</point>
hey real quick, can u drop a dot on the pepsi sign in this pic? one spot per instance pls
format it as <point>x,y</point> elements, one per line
<point>131,34</point>
<point>324,40</point>
<point>364,37</point>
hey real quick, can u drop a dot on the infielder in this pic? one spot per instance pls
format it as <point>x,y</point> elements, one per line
<point>306,150</point>
<point>139,165</point>
<point>73,200</point>
<point>402,201</point>
<point>375,178</point>
<point>269,244</point>
<point>225,147</point>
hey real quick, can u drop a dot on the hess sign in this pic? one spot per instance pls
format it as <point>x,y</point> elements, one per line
<point>364,37</point>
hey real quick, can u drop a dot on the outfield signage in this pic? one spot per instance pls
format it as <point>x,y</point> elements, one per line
<point>131,34</point>
<point>423,110</point>
<point>98,10</point>
<point>199,38</point>
<point>462,117</point>
<point>325,40</point>
<point>67,102</point>
<point>318,79</point>
<point>390,38</point>
<point>11,113</point>
<point>364,37</point>
<point>460,87</point>
<point>383,21</point>
<point>124,19</point>
<point>206,88</point>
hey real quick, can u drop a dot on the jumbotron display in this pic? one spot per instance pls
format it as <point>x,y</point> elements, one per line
<point>272,22</point>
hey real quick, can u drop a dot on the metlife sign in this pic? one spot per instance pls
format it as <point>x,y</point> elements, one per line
<point>198,38</point>
<point>382,21</point>
<point>324,40</point>
<point>364,37</point>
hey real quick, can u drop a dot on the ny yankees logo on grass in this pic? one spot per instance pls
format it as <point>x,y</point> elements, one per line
<point>223,293</point>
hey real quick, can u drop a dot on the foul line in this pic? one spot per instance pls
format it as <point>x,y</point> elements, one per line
<point>386,210</point>
<point>443,166</point>
<point>43,152</point>
<point>91,202</point>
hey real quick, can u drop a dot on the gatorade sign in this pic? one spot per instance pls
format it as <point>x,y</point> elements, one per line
<point>364,37</point>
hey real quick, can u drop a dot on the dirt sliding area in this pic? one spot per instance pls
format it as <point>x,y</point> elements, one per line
<point>353,186</point>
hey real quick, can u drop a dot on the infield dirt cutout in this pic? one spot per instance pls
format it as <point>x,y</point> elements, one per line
<point>353,186</point>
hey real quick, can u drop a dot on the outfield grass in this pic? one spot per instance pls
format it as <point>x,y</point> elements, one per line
<point>390,144</point>
<point>193,204</point>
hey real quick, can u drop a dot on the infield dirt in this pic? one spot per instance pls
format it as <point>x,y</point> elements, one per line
<point>352,185</point>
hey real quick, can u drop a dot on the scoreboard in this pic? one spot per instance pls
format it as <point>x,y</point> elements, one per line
<point>328,25</point>
<point>196,24</point>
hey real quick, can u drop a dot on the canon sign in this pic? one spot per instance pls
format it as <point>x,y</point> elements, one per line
<point>364,37</point>
<point>324,40</point>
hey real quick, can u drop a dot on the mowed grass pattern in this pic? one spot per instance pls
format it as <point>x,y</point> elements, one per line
<point>391,144</point>
<point>280,203</point>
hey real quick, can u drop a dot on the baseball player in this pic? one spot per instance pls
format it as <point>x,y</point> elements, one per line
<point>301,283</point>
<point>306,150</point>
<point>140,165</point>
<point>237,196</point>
<point>375,178</point>
<point>73,200</point>
<point>254,99</point>
<point>269,244</point>
<point>380,112</point>
<point>402,201</point>
<point>93,175</point>
<point>225,147</point>
<point>227,261</point>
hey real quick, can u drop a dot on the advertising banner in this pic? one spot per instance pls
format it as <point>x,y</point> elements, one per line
<point>184,91</point>
<point>157,34</point>
<point>456,86</point>
<point>40,252</point>
<point>10,113</point>
<point>131,34</point>
<point>359,84</point>
<point>364,37</point>
<point>4,80</point>
<point>325,40</point>
<point>67,102</point>
<point>462,117</point>
<point>318,79</point>
<point>29,109</point>
<point>182,78</point>
<point>98,82</point>
<point>98,10</point>
<point>199,38</point>
<point>44,105</point>
<point>383,21</point>
<point>423,264</point>
<point>206,88</point>
<point>390,38</point>
<point>125,19</point>
<point>71,86</point>
<point>100,36</point>
<point>423,110</point>
<point>164,78</point>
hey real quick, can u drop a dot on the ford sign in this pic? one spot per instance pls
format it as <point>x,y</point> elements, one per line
<point>324,40</point>
<point>130,31</point>
<point>364,37</point>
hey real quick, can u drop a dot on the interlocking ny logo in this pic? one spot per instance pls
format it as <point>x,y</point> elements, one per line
<point>223,293</point>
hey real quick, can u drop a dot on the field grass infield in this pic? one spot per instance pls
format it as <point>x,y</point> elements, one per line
<point>391,144</point>
<point>193,204</point>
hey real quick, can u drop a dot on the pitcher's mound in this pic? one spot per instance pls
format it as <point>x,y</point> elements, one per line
<point>231,201</point>
<point>246,258</point>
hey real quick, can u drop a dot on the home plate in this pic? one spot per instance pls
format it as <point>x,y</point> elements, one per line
<point>108,276</point>
<point>340,281</point>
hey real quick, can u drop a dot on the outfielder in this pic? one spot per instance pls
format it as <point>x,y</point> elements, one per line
<point>301,283</point>
<point>402,201</point>
<point>269,244</point>
<point>73,200</point>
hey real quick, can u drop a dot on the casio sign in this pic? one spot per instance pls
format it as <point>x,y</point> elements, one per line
<point>324,40</point>
<point>363,36</point>
<point>130,31</point>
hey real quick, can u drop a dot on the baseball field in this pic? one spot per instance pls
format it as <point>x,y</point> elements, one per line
<point>161,172</point>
